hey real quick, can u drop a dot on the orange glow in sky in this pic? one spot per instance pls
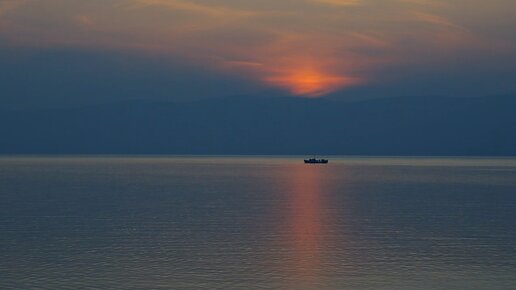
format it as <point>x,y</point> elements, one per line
<point>308,48</point>
<point>311,72</point>
<point>309,82</point>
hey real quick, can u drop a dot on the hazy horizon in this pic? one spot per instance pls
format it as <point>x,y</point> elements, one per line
<point>279,126</point>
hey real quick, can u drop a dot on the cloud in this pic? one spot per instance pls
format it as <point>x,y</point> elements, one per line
<point>338,2</point>
<point>7,6</point>
<point>217,11</point>
<point>427,3</point>
<point>435,19</point>
<point>309,48</point>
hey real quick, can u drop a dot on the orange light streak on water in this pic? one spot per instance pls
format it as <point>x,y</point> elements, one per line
<point>306,226</point>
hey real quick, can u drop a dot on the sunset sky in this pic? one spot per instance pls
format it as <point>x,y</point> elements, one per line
<point>56,50</point>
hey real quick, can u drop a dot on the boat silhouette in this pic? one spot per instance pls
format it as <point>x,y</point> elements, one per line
<point>316,161</point>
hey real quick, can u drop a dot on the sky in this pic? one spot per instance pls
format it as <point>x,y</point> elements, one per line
<point>74,51</point>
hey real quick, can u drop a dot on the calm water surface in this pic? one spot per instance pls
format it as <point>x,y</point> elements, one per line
<point>257,223</point>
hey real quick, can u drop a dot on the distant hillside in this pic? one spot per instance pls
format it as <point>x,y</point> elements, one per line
<point>395,126</point>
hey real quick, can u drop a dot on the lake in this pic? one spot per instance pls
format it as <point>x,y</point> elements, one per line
<point>187,222</point>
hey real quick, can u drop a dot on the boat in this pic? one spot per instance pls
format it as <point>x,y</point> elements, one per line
<point>316,161</point>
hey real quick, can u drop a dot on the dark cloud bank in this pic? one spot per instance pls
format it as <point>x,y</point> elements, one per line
<point>50,102</point>
<point>389,126</point>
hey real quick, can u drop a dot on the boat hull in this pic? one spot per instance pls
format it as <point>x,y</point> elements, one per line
<point>316,161</point>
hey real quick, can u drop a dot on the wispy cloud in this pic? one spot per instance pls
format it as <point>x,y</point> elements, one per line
<point>338,2</point>
<point>204,9</point>
<point>309,47</point>
<point>7,6</point>
<point>435,19</point>
<point>426,3</point>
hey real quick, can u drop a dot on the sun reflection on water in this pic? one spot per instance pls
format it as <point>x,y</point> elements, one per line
<point>306,224</point>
